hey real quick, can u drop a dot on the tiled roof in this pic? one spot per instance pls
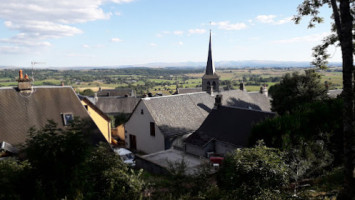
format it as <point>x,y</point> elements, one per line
<point>111,105</point>
<point>184,113</point>
<point>334,93</point>
<point>116,92</point>
<point>243,99</point>
<point>20,111</point>
<point>227,124</point>
<point>179,114</point>
<point>189,90</point>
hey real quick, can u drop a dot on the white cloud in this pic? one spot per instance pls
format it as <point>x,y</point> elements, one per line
<point>116,40</point>
<point>180,43</point>
<point>265,18</point>
<point>38,20</point>
<point>178,32</point>
<point>304,39</point>
<point>153,44</point>
<point>86,46</point>
<point>226,25</point>
<point>271,19</point>
<point>284,21</point>
<point>197,31</point>
<point>118,13</point>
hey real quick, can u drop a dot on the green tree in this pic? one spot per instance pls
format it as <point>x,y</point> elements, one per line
<point>249,173</point>
<point>343,16</point>
<point>295,90</point>
<point>87,92</point>
<point>317,121</point>
<point>12,178</point>
<point>64,165</point>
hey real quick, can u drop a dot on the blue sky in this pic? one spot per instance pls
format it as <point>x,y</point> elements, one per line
<point>127,32</point>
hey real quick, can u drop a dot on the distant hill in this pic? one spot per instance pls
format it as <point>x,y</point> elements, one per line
<point>218,64</point>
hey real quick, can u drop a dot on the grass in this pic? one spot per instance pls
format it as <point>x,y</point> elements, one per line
<point>189,80</point>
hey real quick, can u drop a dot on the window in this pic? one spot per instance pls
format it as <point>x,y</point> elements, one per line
<point>152,128</point>
<point>142,112</point>
<point>67,118</point>
<point>86,107</point>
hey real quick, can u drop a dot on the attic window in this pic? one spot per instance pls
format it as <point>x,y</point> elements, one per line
<point>142,112</point>
<point>152,129</point>
<point>67,118</point>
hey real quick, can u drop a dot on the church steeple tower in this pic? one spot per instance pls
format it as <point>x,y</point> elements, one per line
<point>210,80</point>
<point>210,66</point>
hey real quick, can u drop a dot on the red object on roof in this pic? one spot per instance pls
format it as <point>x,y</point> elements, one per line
<point>218,160</point>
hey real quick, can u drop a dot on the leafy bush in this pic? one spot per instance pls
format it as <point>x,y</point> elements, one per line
<point>63,165</point>
<point>247,173</point>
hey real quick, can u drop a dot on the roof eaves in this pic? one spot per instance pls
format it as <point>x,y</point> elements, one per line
<point>103,115</point>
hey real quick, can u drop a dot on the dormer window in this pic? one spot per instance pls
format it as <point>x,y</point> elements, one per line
<point>142,112</point>
<point>67,118</point>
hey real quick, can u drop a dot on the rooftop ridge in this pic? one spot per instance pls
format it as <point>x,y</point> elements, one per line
<point>167,96</point>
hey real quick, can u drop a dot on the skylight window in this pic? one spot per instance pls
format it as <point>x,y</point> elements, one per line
<point>67,118</point>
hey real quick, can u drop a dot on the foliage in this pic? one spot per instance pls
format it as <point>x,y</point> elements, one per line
<point>249,172</point>
<point>111,178</point>
<point>320,120</point>
<point>87,92</point>
<point>119,119</point>
<point>181,183</point>
<point>12,178</point>
<point>344,26</point>
<point>63,165</point>
<point>295,90</point>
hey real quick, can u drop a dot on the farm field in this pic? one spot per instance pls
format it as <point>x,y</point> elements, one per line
<point>165,81</point>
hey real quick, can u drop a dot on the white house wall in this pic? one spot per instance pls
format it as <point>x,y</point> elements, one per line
<point>139,125</point>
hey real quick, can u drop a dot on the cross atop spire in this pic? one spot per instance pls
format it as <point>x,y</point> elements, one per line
<point>210,70</point>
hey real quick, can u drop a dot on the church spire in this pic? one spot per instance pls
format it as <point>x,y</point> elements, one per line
<point>210,66</point>
<point>210,80</point>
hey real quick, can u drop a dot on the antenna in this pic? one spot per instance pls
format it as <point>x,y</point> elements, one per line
<point>33,63</point>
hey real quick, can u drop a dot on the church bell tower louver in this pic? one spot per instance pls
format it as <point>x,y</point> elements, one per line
<point>210,80</point>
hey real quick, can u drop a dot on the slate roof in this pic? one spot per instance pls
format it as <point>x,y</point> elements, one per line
<point>334,93</point>
<point>189,90</point>
<point>20,111</point>
<point>243,99</point>
<point>116,92</point>
<point>179,114</point>
<point>227,124</point>
<point>112,105</point>
<point>184,113</point>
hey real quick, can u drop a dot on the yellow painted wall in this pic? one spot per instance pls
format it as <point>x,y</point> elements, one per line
<point>103,125</point>
<point>119,132</point>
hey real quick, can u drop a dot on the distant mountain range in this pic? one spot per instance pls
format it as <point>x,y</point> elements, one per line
<point>219,64</point>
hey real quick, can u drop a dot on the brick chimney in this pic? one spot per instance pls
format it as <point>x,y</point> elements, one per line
<point>24,83</point>
<point>218,101</point>
<point>242,86</point>
<point>263,90</point>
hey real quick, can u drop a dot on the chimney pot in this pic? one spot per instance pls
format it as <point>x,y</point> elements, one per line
<point>20,74</point>
<point>242,86</point>
<point>218,101</point>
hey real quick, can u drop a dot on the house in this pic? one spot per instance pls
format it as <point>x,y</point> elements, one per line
<point>116,105</point>
<point>188,90</point>
<point>102,121</point>
<point>28,106</point>
<point>225,129</point>
<point>157,121</point>
<point>122,92</point>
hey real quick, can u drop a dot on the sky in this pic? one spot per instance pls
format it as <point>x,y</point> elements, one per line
<point>98,33</point>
